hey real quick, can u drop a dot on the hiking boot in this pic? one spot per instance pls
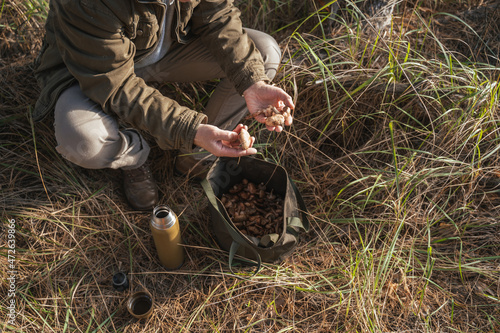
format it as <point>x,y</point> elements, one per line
<point>140,187</point>
<point>192,168</point>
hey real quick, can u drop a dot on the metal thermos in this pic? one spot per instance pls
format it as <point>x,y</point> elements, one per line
<point>167,237</point>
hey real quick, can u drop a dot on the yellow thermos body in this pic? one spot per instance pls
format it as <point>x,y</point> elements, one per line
<point>167,237</point>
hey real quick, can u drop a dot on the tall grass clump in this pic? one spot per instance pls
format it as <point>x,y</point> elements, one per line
<point>394,146</point>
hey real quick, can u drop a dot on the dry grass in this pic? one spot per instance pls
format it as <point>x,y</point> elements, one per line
<point>394,147</point>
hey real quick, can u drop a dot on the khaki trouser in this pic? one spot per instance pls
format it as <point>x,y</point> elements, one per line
<point>92,139</point>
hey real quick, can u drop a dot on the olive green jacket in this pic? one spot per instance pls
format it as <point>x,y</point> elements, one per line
<point>97,42</point>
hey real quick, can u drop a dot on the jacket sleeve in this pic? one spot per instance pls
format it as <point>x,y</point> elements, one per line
<point>219,25</point>
<point>94,48</point>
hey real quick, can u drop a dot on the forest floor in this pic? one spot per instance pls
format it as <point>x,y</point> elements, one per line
<point>394,147</point>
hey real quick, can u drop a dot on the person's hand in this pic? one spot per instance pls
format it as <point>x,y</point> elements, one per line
<point>260,95</point>
<point>222,143</point>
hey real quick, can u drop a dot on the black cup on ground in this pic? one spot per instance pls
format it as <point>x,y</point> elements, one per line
<point>120,281</point>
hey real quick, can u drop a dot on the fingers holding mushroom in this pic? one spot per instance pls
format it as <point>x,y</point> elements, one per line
<point>274,118</point>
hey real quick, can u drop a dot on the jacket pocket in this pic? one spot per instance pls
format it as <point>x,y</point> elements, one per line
<point>146,34</point>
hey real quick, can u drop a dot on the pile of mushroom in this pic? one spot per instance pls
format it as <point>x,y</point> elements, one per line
<point>253,210</point>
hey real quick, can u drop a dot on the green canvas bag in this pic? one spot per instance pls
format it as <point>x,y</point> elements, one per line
<point>223,175</point>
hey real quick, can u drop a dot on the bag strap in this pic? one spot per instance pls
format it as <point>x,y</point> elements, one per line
<point>295,222</point>
<point>238,240</point>
<point>232,251</point>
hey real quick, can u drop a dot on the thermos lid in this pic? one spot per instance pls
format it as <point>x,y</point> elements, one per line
<point>163,217</point>
<point>120,281</point>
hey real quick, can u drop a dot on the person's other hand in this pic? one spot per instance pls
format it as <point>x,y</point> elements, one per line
<point>221,142</point>
<point>260,95</point>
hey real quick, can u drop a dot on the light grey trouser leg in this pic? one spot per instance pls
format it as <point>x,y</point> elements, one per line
<point>193,62</point>
<point>91,139</point>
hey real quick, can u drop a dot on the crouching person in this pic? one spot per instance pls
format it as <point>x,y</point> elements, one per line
<point>94,69</point>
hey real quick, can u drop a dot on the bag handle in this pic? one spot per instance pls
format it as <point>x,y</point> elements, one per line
<point>238,240</point>
<point>232,251</point>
